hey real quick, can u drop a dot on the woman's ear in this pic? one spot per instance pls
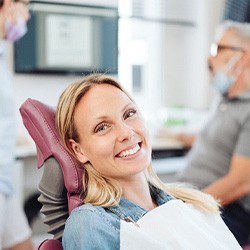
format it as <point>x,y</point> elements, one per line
<point>78,151</point>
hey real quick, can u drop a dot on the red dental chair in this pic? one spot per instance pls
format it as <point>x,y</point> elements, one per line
<point>60,186</point>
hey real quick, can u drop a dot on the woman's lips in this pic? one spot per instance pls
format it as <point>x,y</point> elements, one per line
<point>128,152</point>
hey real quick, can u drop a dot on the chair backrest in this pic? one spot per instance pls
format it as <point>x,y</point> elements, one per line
<point>61,183</point>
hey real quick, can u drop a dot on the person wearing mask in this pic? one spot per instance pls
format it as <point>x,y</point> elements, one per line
<point>15,233</point>
<point>219,159</point>
<point>125,205</point>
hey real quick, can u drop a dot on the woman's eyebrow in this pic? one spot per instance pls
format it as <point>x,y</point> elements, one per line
<point>126,106</point>
<point>104,117</point>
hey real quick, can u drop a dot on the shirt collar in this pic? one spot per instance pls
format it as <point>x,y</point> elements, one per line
<point>243,96</point>
<point>127,209</point>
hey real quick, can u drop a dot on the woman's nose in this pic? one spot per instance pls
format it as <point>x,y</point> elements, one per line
<point>124,132</point>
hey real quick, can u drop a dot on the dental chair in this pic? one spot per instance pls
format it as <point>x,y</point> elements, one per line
<point>60,186</point>
<point>61,182</point>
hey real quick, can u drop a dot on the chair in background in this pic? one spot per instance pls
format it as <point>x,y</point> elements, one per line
<point>60,186</point>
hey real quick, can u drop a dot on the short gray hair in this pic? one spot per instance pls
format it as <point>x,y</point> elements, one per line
<point>242,30</point>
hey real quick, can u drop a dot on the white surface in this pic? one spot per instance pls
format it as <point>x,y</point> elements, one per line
<point>169,165</point>
<point>166,143</point>
<point>26,150</point>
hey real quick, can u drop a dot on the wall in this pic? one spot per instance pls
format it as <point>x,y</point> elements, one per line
<point>170,40</point>
<point>174,58</point>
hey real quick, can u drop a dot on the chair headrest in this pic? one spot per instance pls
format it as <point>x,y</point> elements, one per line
<point>39,120</point>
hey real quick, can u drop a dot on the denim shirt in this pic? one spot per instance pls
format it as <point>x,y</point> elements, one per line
<point>93,227</point>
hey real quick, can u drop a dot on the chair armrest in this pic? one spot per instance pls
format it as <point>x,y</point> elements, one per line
<point>50,244</point>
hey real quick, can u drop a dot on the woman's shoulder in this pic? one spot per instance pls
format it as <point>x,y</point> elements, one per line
<point>88,215</point>
<point>87,211</point>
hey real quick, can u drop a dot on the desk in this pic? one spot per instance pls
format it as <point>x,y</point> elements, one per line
<point>169,165</point>
<point>159,143</point>
<point>168,157</point>
<point>29,175</point>
<point>25,150</point>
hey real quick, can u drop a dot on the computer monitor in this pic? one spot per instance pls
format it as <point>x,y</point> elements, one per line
<point>68,38</point>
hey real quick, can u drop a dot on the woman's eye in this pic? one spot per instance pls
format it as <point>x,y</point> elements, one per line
<point>101,127</point>
<point>129,113</point>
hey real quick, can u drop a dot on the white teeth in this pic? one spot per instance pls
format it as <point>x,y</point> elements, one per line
<point>130,151</point>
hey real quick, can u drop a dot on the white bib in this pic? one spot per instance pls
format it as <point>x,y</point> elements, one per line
<point>178,226</point>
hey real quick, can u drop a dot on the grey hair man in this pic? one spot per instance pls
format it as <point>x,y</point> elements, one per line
<point>219,160</point>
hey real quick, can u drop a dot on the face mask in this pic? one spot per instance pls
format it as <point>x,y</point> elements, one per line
<point>222,82</point>
<point>15,31</point>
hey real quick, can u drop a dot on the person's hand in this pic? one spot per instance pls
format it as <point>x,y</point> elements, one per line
<point>186,139</point>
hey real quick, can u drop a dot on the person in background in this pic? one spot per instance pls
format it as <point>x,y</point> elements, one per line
<point>126,206</point>
<point>219,159</point>
<point>15,233</point>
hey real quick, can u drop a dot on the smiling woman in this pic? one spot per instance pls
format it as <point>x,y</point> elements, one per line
<point>101,126</point>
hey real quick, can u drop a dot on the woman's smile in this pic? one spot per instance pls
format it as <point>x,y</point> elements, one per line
<point>130,151</point>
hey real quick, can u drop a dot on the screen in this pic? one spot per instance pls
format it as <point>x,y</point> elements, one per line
<point>68,38</point>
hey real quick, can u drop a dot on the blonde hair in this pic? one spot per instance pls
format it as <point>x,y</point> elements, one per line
<point>100,190</point>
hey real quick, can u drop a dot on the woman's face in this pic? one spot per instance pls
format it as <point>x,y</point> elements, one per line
<point>113,137</point>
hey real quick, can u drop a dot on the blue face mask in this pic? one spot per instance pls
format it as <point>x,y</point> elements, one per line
<point>222,82</point>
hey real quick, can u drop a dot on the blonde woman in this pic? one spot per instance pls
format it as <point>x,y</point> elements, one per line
<point>126,206</point>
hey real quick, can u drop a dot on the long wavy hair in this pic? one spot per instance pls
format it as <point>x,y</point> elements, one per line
<point>100,190</point>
